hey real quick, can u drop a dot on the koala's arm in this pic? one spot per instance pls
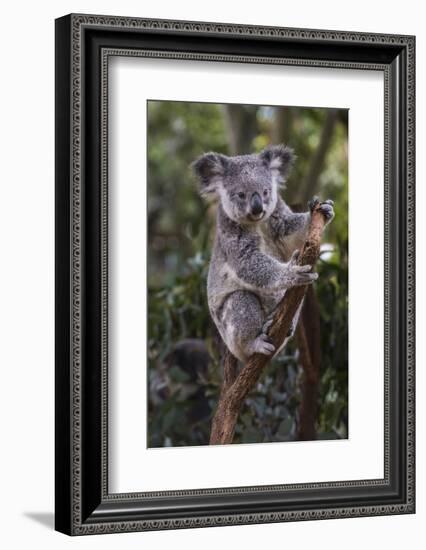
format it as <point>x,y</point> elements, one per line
<point>289,225</point>
<point>258,271</point>
<point>293,227</point>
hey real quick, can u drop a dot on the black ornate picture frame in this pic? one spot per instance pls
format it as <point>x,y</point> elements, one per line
<point>84,44</point>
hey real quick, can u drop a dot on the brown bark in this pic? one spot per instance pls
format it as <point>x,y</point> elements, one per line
<point>282,122</point>
<point>241,124</point>
<point>230,370</point>
<point>232,398</point>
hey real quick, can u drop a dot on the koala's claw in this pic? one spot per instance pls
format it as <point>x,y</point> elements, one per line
<point>262,345</point>
<point>313,203</point>
<point>302,268</point>
<point>305,278</point>
<point>299,275</point>
<point>326,209</point>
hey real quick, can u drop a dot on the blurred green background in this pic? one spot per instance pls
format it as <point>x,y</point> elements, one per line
<point>296,398</point>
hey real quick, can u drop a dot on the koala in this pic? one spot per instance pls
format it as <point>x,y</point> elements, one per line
<point>254,257</point>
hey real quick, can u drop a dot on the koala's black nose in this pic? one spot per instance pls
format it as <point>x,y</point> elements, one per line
<point>256,205</point>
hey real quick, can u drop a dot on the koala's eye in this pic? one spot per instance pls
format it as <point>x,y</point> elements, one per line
<point>241,195</point>
<point>265,192</point>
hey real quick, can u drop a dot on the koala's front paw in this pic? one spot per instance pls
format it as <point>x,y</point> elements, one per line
<point>325,207</point>
<point>262,345</point>
<point>327,210</point>
<point>303,277</point>
<point>297,275</point>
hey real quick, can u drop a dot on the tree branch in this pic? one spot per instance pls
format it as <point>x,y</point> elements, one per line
<point>230,371</point>
<point>232,395</point>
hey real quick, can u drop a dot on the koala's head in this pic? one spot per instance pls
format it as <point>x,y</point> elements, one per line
<point>246,185</point>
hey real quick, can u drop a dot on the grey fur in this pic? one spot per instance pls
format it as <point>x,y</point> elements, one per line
<point>248,275</point>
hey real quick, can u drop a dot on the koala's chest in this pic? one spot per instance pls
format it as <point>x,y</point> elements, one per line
<point>267,244</point>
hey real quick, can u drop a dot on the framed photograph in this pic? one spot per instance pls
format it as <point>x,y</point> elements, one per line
<point>234,274</point>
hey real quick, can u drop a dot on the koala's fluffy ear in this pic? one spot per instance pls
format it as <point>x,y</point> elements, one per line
<point>279,159</point>
<point>210,169</point>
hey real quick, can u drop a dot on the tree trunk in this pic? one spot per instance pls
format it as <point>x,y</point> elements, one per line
<point>241,124</point>
<point>310,184</point>
<point>282,122</point>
